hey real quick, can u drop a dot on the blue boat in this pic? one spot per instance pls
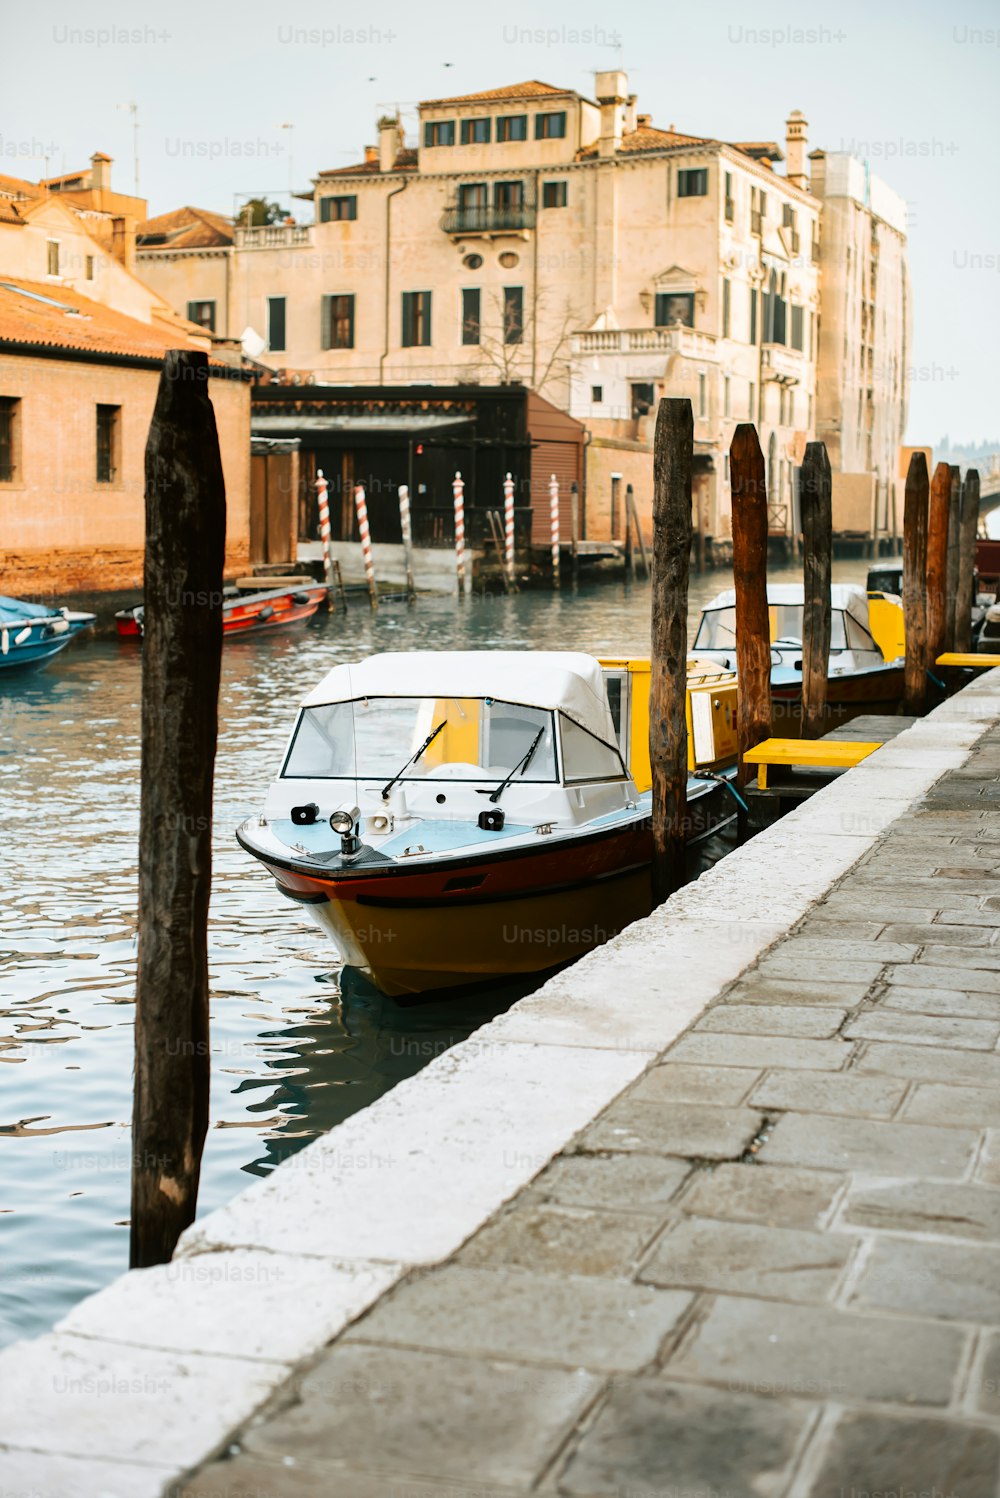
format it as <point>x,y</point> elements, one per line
<point>31,633</point>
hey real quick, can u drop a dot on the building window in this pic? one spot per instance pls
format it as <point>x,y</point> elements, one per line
<point>512,127</point>
<point>726,290</point>
<point>597,394</point>
<point>752,401</point>
<point>798,328</point>
<point>726,399</point>
<point>550,126</point>
<point>416,319</point>
<point>508,200</point>
<point>471,314</point>
<point>439,133</point>
<point>692,182</point>
<point>202,313</point>
<point>730,206</point>
<point>476,132</point>
<point>553,194</point>
<point>332,210</point>
<point>674,307</point>
<point>52,249</point>
<point>702,396</point>
<point>513,314</point>
<point>753,314</point>
<point>643,399</point>
<point>338,321</point>
<point>473,200</point>
<point>89,267</point>
<point>10,412</point>
<point>108,434</point>
<point>276,324</point>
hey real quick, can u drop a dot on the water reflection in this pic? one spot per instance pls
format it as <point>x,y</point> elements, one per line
<point>294,1048</point>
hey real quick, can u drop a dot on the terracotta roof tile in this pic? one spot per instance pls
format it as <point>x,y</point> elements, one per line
<point>9,213</point>
<point>533,89</point>
<point>647,138</point>
<point>18,187</point>
<point>38,312</point>
<point>406,161</point>
<point>185,229</point>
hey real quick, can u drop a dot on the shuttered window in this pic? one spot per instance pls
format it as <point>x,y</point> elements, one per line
<point>471,306</point>
<point>416,319</point>
<point>338,321</point>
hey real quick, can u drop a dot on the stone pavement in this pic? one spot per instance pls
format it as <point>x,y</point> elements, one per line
<point>769,1269</point>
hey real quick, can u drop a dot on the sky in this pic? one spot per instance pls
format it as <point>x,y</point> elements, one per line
<point>248,99</point>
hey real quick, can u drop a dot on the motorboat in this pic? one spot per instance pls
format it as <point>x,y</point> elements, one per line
<point>864,674</point>
<point>32,633</point>
<point>246,612</point>
<point>452,816</point>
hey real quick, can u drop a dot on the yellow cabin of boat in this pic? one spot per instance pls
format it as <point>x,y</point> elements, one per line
<point>885,623</point>
<point>710,714</point>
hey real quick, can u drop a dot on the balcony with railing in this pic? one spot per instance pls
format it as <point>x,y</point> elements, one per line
<point>487,222</point>
<point>689,342</point>
<point>273,236</point>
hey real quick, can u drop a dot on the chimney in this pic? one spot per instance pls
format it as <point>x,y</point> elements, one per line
<point>100,172</point>
<point>612,96</point>
<point>795,149</point>
<point>390,138</point>
<point>643,121</point>
<point>630,115</point>
<point>371,154</point>
<point>123,241</point>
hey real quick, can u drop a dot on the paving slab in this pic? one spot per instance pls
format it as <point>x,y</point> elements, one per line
<point>705,1049</point>
<point>615,1182</point>
<point>809,1352</point>
<point>694,1130</point>
<point>870,1145</point>
<point>949,1280</point>
<point>870,1454</point>
<point>573,1321</point>
<point>695,1084</point>
<point>829,1092</point>
<point>988,1166</point>
<point>655,1439</point>
<point>956,1211</point>
<point>394,1411</point>
<point>931,1063</point>
<point>817,1022</point>
<point>752,1192</point>
<point>941,1103</point>
<point>748,1258</point>
<point>940,1001</point>
<point>563,1240</point>
<point>919,1029</point>
<point>986,1381</point>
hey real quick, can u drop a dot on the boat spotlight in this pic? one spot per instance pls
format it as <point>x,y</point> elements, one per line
<point>343,821</point>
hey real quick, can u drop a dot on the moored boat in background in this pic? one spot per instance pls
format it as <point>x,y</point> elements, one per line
<point>32,633</point>
<point>246,612</point>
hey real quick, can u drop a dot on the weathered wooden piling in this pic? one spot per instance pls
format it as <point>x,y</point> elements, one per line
<point>937,563</point>
<point>966,592</point>
<point>954,546</point>
<point>361,509</point>
<point>815,489</point>
<point>616,479</point>
<point>629,557</point>
<point>673,448</point>
<point>915,583</point>
<point>753,641</point>
<point>181,655</point>
<point>574,530</point>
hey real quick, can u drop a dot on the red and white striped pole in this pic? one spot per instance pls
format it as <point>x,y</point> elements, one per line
<point>508,524</point>
<point>324,523</point>
<point>554,515</point>
<point>458,493</point>
<point>361,505</point>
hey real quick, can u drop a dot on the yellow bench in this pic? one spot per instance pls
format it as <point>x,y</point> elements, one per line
<point>957,658</point>
<point>825,754</point>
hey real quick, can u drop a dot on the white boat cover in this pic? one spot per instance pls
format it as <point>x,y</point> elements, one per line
<point>847,598</point>
<point>566,681</point>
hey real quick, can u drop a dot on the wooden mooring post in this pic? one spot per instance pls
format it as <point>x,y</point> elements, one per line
<point>673,450</point>
<point>915,584</point>
<point>954,546</point>
<point>753,637</point>
<point>815,491</point>
<point>181,655</point>
<point>966,593</point>
<point>937,563</point>
<point>406,529</point>
<point>574,530</point>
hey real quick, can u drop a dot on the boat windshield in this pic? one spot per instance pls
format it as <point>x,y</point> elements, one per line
<point>479,738</point>
<point>717,630</point>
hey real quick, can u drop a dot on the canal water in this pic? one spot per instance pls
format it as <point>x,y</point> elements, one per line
<point>296,1045</point>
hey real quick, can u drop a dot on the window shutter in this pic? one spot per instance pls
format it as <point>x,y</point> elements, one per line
<point>350,321</point>
<point>407,320</point>
<point>326,331</point>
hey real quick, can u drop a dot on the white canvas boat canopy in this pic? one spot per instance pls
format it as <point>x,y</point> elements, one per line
<point>847,598</point>
<point>557,680</point>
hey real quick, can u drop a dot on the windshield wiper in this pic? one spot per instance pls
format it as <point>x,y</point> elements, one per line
<point>521,765</point>
<point>428,741</point>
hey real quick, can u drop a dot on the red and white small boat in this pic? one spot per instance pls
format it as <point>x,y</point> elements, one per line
<point>246,613</point>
